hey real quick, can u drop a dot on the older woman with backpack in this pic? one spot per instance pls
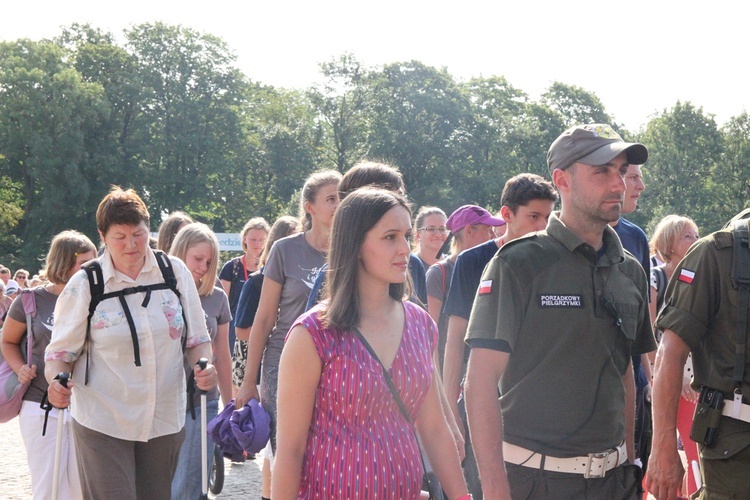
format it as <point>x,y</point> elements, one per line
<point>125,354</point>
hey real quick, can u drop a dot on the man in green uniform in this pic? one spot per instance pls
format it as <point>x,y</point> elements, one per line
<point>557,316</point>
<point>701,316</point>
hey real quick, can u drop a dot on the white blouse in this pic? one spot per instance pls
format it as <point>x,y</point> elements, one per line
<point>129,402</point>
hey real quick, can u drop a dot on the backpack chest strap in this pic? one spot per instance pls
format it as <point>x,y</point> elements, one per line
<point>96,286</point>
<point>121,294</point>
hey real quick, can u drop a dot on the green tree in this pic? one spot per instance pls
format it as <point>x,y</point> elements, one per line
<point>189,119</point>
<point>47,115</point>
<point>341,101</point>
<point>11,212</point>
<point>732,175</point>
<point>489,146</point>
<point>575,104</point>
<point>283,145</point>
<point>685,149</point>
<point>537,128</point>
<point>416,117</point>
<point>114,148</point>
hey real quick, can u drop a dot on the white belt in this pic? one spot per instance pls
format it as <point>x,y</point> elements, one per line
<point>744,413</point>
<point>593,465</point>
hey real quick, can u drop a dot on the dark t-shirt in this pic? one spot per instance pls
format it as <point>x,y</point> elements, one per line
<point>418,273</point>
<point>247,306</point>
<point>465,278</point>
<point>234,272</point>
<point>550,300</point>
<point>634,240</point>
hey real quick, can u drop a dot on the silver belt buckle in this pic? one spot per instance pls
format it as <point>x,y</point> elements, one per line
<point>596,465</point>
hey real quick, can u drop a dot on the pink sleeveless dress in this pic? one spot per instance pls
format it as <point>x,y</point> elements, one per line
<point>359,444</point>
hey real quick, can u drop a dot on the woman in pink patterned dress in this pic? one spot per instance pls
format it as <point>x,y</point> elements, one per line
<point>340,432</point>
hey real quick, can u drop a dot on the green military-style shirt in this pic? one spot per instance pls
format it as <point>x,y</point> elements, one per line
<point>570,319</point>
<point>701,308</point>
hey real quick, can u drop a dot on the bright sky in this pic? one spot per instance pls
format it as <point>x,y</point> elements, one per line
<point>638,56</point>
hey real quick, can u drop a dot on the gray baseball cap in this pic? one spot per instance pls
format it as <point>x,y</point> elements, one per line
<point>592,144</point>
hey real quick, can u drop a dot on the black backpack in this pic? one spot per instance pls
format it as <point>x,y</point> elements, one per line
<point>96,286</point>
<point>741,281</point>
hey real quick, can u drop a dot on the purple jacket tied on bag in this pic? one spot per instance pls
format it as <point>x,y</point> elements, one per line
<point>236,431</point>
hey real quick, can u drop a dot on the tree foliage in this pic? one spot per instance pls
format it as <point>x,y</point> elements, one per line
<point>49,118</point>
<point>417,113</point>
<point>168,113</point>
<point>341,102</point>
<point>685,152</point>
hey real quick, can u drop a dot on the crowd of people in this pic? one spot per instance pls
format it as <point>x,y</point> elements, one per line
<point>512,354</point>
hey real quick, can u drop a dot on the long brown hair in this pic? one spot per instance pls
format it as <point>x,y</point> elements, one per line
<point>169,229</point>
<point>355,217</point>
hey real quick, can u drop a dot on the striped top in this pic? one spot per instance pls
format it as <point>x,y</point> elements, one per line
<point>359,444</point>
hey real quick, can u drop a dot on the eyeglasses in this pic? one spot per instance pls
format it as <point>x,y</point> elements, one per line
<point>434,229</point>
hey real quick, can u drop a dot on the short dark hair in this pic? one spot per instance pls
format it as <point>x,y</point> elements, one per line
<point>355,217</point>
<point>523,188</point>
<point>371,174</point>
<point>121,207</point>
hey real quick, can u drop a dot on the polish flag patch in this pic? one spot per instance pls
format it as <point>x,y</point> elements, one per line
<point>686,276</point>
<point>485,287</point>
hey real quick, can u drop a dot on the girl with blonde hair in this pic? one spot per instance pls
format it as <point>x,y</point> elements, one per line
<point>196,245</point>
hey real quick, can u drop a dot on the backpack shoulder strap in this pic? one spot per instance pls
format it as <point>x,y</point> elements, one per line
<point>741,281</point>
<point>740,253</point>
<point>442,276</point>
<point>29,306</point>
<point>167,271</point>
<point>236,268</point>
<point>96,286</point>
<point>29,302</point>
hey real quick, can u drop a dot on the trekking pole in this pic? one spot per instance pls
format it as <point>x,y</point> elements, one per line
<point>203,363</point>
<point>63,378</point>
